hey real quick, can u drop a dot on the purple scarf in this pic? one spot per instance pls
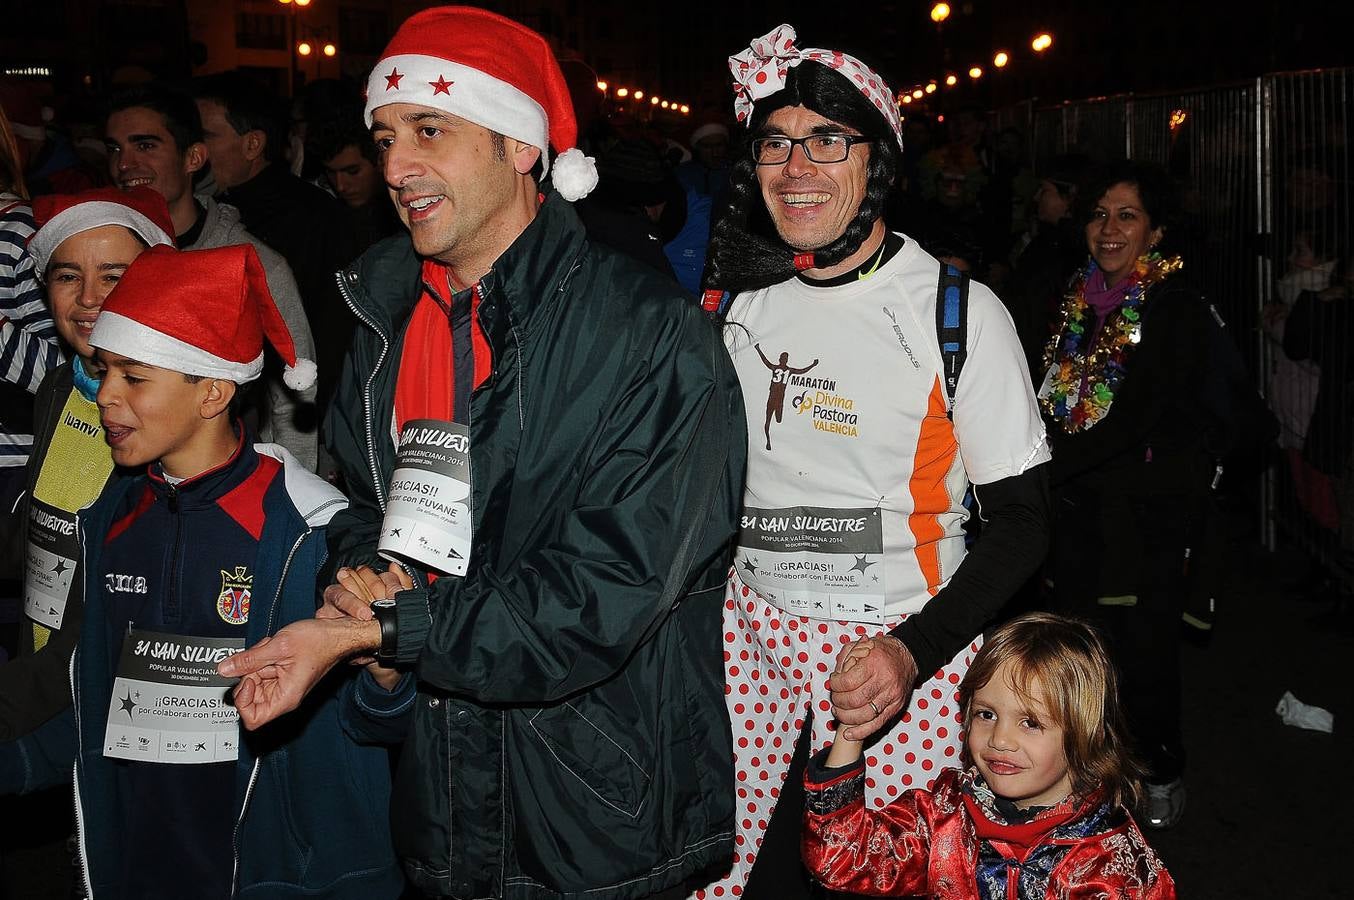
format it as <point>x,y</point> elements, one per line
<point>1105,300</point>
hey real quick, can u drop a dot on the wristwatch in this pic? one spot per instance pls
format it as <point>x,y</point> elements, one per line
<point>384,611</point>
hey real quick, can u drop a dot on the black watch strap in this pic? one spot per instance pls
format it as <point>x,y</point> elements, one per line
<point>385,613</point>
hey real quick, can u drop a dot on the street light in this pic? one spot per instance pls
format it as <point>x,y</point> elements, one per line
<point>931,88</point>
<point>975,72</point>
<point>907,98</point>
<point>653,101</point>
<point>665,104</point>
<point>918,94</point>
<point>639,95</point>
<point>330,50</point>
<point>602,86</point>
<point>303,48</point>
<point>686,110</point>
<point>940,12</point>
<point>951,80</point>
<point>1042,42</point>
<point>622,93</point>
<point>1001,59</point>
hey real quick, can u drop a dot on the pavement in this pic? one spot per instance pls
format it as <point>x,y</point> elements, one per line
<point>1263,814</point>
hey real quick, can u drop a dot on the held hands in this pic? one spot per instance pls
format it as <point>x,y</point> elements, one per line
<point>845,752</point>
<point>355,589</point>
<point>871,692</point>
<point>351,597</point>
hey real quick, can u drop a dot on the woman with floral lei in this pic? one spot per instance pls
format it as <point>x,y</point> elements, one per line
<point>1129,468</point>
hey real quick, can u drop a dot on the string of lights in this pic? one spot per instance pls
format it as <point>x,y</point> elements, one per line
<point>637,95</point>
<point>940,12</point>
<point>1040,43</point>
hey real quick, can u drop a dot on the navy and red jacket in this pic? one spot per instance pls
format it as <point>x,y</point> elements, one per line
<point>310,804</point>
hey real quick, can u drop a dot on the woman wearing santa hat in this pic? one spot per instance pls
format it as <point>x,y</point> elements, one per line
<point>83,244</point>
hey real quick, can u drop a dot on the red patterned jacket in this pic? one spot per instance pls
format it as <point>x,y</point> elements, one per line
<point>950,843</point>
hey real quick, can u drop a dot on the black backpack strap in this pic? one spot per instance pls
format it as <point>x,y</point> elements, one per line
<point>952,327</point>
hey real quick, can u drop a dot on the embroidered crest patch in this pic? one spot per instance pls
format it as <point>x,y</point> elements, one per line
<point>232,604</point>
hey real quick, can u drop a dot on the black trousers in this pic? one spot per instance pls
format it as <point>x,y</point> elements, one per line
<point>1119,562</point>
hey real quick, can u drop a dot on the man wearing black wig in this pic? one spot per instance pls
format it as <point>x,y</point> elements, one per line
<point>852,526</point>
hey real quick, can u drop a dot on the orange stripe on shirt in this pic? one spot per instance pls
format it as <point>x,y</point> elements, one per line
<point>936,449</point>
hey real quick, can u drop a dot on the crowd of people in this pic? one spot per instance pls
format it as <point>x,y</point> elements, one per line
<point>794,504</point>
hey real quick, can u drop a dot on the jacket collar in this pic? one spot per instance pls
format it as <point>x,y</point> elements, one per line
<point>534,267</point>
<point>385,283</point>
<point>208,487</point>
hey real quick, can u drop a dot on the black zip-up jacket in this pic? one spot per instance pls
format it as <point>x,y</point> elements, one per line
<point>570,734</point>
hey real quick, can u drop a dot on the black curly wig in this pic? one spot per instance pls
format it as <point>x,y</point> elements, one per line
<point>745,252</point>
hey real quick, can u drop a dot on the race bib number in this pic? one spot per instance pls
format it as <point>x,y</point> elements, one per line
<point>168,704</point>
<point>428,510</point>
<point>815,562</point>
<point>49,566</point>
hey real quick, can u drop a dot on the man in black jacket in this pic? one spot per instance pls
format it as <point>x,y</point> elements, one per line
<point>242,128</point>
<point>565,723</point>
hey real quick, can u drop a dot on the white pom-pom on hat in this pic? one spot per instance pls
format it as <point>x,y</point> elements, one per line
<point>574,175</point>
<point>300,376</point>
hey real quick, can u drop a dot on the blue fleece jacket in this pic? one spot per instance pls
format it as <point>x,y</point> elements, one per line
<point>310,812</point>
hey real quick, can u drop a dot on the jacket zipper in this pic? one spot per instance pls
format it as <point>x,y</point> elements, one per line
<point>343,279</point>
<point>254,773</point>
<point>171,610</point>
<point>75,781</point>
<point>79,756</point>
<point>470,506</point>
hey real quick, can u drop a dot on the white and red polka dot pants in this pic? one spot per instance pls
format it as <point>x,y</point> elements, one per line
<point>776,667</point>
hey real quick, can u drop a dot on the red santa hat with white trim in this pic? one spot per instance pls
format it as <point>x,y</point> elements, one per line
<point>488,70</point>
<point>59,216</point>
<point>199,312</point>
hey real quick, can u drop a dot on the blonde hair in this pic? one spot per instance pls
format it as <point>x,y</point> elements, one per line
<point>1066,661</point>
<point>11,167</point>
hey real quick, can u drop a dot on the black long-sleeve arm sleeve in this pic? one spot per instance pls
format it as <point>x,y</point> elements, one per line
<point>1015,516</point>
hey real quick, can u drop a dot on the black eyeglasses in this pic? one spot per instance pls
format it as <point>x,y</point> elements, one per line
<point>819,148</point>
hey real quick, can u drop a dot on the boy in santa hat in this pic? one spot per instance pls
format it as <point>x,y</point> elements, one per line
<point>217,542</point>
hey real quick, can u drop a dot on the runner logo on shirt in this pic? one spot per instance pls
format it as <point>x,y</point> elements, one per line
<point>781,374</point>
<point>232,604</point>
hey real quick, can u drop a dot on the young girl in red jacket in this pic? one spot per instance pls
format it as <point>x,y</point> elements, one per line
<point>1039,809</point>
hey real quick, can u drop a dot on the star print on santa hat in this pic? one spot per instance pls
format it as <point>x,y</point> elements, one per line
<point>507,81</point>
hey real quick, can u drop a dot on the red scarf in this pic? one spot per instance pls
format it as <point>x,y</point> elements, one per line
<point>426,385</point>
<point>1019,839</point>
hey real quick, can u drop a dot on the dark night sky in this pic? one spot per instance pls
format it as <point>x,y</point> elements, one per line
<point>1101,48</point>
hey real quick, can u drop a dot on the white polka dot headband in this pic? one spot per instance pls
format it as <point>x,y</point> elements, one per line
<point>760,70</point>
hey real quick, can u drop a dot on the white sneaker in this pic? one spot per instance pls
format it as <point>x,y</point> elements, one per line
<point>1165,804</point>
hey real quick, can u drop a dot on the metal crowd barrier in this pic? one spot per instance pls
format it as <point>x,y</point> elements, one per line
<point>1265,170</point>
